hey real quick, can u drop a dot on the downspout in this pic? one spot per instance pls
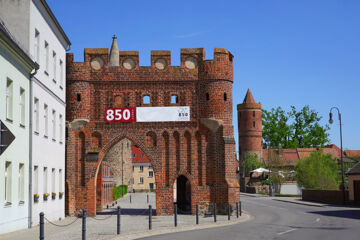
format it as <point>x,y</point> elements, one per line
<point>30,145</point>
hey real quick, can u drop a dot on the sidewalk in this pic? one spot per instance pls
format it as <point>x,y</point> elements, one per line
<point>132,227</point>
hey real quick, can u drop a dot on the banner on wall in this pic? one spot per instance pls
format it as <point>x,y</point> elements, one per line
<point>148,114</point>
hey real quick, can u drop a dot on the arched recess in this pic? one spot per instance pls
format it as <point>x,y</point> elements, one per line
<point>177,150</point>
<point>151,139</point>
<point>166,155</point>
<point>199,157</point>
<point>183,194</point>
<point>82,157</point>
<point>187,137</point>
<point>118,101</point>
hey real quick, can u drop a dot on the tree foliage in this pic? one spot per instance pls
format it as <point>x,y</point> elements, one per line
<point>293,129</point>
<point>318,171</point>
<point>250,162</point>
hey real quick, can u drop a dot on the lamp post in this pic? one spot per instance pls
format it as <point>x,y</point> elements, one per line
<point>341,153</point>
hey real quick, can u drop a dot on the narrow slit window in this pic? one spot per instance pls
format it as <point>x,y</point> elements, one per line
<point>253,123</point>
<point>253,113</point>
<point>225,97</point>
<point>174,99</point>
<point>207,97</point>
<point>78,97</point>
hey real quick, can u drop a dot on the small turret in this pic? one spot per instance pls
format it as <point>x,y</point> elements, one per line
<point>114,54</point>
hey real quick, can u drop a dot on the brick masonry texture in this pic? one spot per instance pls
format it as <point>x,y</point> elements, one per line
<point>202,150</point>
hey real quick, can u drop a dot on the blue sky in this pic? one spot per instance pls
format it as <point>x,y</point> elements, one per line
<point>288,52</point>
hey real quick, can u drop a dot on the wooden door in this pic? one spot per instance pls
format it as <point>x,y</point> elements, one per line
<point>357,192</point>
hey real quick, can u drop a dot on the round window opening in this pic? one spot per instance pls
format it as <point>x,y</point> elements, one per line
<point>191,63</point>
<point>160,64</point>
<point>129,64</point>
<point>97,63</point>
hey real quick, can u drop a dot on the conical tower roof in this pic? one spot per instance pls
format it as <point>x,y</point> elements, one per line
<point>114,53</point>
<point>249,97</point>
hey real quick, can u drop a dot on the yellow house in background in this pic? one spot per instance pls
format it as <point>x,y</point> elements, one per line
<point>143,179</point>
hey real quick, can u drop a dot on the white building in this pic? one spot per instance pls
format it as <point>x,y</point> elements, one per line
<point>36,27</point>
<point>15,73</point>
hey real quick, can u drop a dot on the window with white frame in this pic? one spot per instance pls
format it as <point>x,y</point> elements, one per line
<point>37,47</point>
<point>36,179</point>
<point>21,183</point>
<point>9,99</point>
<point>45,180</point>
<point>46,118</point>
<point>151,174</point>
<point>141,168</point>
<point>60,181</point>
<point>53,125</point>
<point>141,180</point>
<point>54,66</point>
<point>36,114</point>
<point>22,107</point>
<point>46,51</point>
<point>60,128</point>
<point>7,183</point>
<point>61,80</point>
<point>53,180</point>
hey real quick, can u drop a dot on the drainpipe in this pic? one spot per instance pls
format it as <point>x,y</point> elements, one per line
<point>30,145</point>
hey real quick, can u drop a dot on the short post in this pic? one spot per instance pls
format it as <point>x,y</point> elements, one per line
<point>240,208</point>
<point>42,237</point>
<point>175,214</point>
<point>130,198</point>
<point>197,214</point>
<point>147,198</point>
<point>229,212</point>
<point>214,212</point>
<point>118,220</point>
<point>84,224</point>
<point>150,217</point>
<point>237,210</point>
<point>107,206</point>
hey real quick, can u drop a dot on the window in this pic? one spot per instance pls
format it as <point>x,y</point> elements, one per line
<point>60,181</point>
<point>21,183</point>
<point>22,107</point>
<point>146,99</point>
<point>54,66</point>
<point>60,128</point>
<point>61,80</point>
<point>151,174</point>
<point>36,114</point>
<point>225,97</point>
<point>207,97</point>
<point>45,180</point>
<point>254,124</point>
<point>36,179</point>
<point>37,46</point>
<point>53,125</point>
<point>46,46</point>
<point>9,99</point>
<point>134,155</point>
<point>253,113</point>
<point>141,168</point>
<point>46,123</point>
<point>7,183</point>
<point>174,99</point>
<point>142,155</point>
<point>53,180</point>
<point>141,180</point>
<point>78,97</point>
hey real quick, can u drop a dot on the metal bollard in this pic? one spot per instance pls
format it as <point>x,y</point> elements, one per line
<point>197,214</point>
<point>214,212</point>
<point>118,220</point>
<point>150,217</point>
<point>237,210</point>
<point>130,198</point>
<point>84,224</point>
<point>147,198</point>
<point>107,206</point>
<point>229,212</point>
<point>240,208</point>
<point>42,237</point>
<point>175,214</point>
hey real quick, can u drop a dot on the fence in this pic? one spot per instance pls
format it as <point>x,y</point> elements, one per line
<point>118,214</point>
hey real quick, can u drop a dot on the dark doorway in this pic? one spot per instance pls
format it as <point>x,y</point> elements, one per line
<point>357,192</point>
<point>183,195</point>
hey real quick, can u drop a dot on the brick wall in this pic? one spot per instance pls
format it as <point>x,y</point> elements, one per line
<point>325,196</point>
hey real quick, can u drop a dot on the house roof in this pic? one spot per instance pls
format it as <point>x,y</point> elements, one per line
<point>249,97</point>
<point>352,153</point>
<point>354,170</point>
<point>140,156</point>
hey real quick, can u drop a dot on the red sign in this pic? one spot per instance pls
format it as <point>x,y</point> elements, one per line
<point>120,114</point>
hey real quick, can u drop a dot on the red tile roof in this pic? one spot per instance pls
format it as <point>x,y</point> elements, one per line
<point>140,156</point>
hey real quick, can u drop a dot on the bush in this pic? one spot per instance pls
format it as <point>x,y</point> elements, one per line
<point>117,191</point>
<point>318,171</point>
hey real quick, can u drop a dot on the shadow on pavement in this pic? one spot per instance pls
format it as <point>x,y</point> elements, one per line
<point>353,214</point>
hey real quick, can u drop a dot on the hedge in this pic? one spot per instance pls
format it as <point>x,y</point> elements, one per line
<point>117,192</point>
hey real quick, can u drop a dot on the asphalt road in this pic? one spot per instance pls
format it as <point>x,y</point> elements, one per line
<point>281,220</point>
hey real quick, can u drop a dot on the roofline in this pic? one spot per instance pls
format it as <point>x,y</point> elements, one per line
<point>55,21</point>
<point>13,44</point>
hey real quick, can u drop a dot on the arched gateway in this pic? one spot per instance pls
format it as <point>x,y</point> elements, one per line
<point>200,149</point>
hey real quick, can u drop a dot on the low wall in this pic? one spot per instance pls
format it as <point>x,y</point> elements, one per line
<point>324,196</point>
<point>290,188</point>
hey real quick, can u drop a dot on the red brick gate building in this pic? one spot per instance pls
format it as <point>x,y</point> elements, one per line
<point>201,150</point>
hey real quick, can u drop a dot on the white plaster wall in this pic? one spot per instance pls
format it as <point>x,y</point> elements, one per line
<point>290,188</point>
<point>14,217</point>
<point>46,151</point>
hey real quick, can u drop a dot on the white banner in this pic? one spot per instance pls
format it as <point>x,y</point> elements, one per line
<point>162,114</point>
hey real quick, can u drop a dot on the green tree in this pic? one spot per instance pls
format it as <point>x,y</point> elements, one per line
<point>318,171</point>
<point>294,129</point>
<point>250,161</point>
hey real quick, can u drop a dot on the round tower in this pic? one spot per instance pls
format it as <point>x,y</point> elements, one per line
<point>249,126</point>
